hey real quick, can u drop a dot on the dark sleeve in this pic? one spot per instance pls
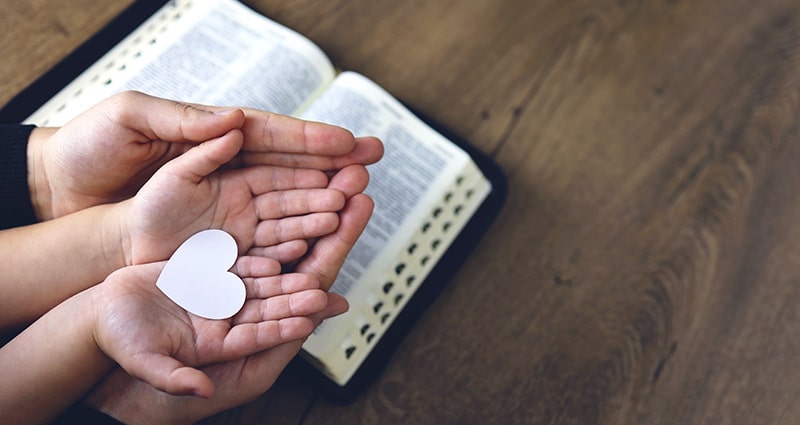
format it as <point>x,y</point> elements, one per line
<point>81,415</point>
<point>15,197</point>
<point>17,210</point>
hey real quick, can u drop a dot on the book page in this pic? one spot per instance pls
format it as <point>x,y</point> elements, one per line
<point>425,188</point>
<point>210,52</point>
<point>417,166</point>
<point>220,52</point>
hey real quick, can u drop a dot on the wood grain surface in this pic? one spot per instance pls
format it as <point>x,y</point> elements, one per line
<point>646,267</point>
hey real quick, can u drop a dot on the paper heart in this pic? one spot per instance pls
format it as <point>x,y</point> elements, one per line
<point>197,277</point>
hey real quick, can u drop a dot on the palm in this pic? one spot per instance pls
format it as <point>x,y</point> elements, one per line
<point>156,340</point>
<point>240,380</point>
<point>142,322</point>
<point>259,205</point>
<point>160,223</point>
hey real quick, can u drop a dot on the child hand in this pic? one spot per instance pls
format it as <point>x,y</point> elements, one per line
<point>239,381</point>
<point>258,205</point>
<point>157,341</point>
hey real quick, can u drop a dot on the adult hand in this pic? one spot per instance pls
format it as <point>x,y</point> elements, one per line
<point>108,152</point>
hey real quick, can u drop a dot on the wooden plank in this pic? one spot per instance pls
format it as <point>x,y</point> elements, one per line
<point>38,34</point>
<point>645,267</point>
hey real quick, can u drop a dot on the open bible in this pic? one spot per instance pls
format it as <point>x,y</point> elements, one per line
<point>435,195</point>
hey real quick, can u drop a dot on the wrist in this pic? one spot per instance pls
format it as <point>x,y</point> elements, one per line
<point>91,321</point>
<point>115,238</point>
<point>64,334</point>
<point>38,186</point>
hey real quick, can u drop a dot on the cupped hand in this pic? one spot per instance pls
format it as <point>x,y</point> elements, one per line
<point>258,205</point>
<point>157,341</point>
<point>239,381</point>
<point>107,153</point>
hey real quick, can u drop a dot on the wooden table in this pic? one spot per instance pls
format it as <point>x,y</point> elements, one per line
<point>646,267</point>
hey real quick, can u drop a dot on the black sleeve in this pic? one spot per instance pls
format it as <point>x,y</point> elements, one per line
<point>17,210</point>
<point>81,415</point>
<point>15,197</point>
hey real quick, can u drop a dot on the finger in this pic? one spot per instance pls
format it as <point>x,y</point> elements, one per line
<point>268,132</point>
<point>248,338</point>
<point>168,374</point>
<point>284,252</point>
<point>205,158</point>
<point>272,232</point>
<point>329,252</point>
<point>251,266</point>
<point>287,283</point>
<point>285,203</point>
<point>167,120</point>
<point>367,150</point>
<point>271,132</point>
<point>279,307</point>
<point>350,180</point>
<point>337,305</point>
<point>263,179</point>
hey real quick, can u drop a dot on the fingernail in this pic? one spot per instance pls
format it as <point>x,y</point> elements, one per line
<point>224,112</point>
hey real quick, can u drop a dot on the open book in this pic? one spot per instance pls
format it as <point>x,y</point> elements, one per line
<point>434,196</point>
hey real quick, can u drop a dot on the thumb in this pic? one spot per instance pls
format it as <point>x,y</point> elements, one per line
<point>205,158</point>
<point>171,121</point>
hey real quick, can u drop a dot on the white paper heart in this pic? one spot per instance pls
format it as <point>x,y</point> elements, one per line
<point>197,277</point>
